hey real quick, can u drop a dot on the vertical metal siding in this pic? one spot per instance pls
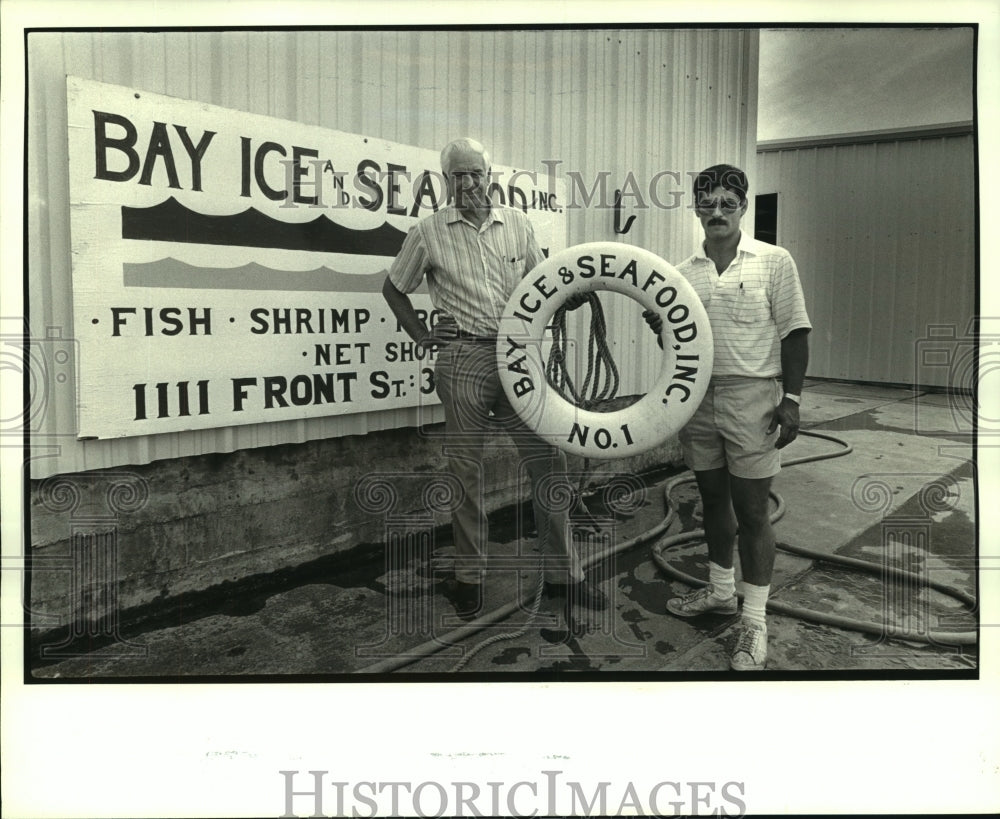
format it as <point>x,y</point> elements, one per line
<point>883,235</point>
<point>638,100</point>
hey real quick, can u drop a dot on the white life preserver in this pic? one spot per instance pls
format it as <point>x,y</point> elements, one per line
<point>687,350</point>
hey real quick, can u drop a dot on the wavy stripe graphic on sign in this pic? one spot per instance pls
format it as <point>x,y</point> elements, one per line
<point>253,276</point>
<point>170,221</point>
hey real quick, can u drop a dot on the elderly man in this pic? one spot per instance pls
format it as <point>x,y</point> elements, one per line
<point>473,254</point>
<point>755,306</point>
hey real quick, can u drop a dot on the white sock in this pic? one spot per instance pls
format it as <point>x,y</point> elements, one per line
<point>755,603</point>
<point>723,580</point>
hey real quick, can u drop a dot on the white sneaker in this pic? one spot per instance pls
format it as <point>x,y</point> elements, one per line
<point>701,601</point>
<point>750,652</point>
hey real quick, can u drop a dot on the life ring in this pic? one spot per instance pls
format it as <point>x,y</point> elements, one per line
<point>687,350</point>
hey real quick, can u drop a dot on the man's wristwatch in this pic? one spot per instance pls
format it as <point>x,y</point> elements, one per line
<point>792,397</point>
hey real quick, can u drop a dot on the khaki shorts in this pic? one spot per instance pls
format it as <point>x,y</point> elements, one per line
<point>729,428</point>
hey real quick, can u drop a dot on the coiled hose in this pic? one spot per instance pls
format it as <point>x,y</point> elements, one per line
<point>531,600</point>
<point>884,629</point>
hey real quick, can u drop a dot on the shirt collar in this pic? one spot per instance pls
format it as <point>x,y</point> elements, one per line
<point>747,244</point>
<point>454,215</point>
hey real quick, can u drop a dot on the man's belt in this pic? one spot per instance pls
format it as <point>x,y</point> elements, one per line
<point>464,336</point>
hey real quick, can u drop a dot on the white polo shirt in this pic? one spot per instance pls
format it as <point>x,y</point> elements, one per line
<point>751,306</point>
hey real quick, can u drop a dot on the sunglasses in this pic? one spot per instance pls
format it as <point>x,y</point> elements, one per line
<point>724,204</point>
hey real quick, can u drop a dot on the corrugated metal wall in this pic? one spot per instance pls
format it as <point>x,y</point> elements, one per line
<point>883,234</point>
<point>637,101</point>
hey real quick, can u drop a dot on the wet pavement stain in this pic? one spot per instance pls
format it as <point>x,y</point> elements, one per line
<point>569,639</point>
<point>951,535</point>
<point>510,656</point>
<point>576,663</point>
<point>664,648</point>
<point>633,617</point>
<point>648,595</point>
<point>869,420</point>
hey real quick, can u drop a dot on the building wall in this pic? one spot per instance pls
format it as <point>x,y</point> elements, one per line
<point>612,102</point>
<point>882,228</point>
<point>618,102</point>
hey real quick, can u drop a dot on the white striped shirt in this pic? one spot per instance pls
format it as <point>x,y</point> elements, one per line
<point>470,273</point>
<point>751,306</point>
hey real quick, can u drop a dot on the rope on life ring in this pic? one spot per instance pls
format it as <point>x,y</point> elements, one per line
<point>601,380</point>
<point>686,359</point>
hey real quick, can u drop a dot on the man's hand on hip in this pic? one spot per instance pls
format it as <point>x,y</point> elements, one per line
<point>444,331</point>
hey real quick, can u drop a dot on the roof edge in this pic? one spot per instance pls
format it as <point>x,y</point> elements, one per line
<point>963,128</point>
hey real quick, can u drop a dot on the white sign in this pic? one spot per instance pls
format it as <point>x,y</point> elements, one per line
<point>227,267</point>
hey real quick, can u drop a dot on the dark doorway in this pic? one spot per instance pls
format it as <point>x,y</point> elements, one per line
<point>766,220</point>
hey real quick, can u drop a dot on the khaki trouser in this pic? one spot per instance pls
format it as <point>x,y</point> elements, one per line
<point>469,387</point>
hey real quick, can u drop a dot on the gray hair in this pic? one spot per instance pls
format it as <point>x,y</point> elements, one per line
<point>463,145</point>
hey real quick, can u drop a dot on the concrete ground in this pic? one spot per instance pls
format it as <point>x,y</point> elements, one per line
<point>904,497</point>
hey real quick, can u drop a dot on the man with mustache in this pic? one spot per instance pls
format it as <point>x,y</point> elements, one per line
<point>473,254</point>
<point>757,312</point>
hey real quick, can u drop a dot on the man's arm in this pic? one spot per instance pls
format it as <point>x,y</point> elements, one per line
<point>406,314</point>
<point>408,268</point>
<point>794,362</point>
